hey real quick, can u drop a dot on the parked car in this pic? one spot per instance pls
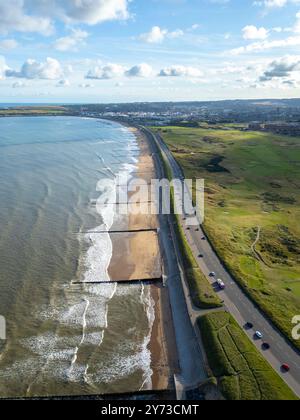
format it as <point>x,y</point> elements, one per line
<point>212,274</point>
<point>249,326</point>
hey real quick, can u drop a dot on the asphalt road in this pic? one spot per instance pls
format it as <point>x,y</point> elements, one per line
<point>235,300</point>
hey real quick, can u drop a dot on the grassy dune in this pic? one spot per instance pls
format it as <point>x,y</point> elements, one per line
<point>242,372</point>
<point>252,209</point>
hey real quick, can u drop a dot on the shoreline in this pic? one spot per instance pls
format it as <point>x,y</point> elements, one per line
<point>162,345</point>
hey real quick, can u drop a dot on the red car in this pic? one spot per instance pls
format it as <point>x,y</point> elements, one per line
<point>285,367</point>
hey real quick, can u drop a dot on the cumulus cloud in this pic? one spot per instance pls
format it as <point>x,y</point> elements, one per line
<point>181,71</point>
<point>51,69</point>
<point>252,32</point>
<point>281,68</point>
<point>109,71</point>
<point>92,12</point>
<point>263,44</point>
<point>140,70</point>
<point>13,17</point>
<point>158,35</point>
<point>71,42</point>
<point>39,16</point>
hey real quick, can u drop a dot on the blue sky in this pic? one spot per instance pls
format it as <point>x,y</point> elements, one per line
<point>148,50</point>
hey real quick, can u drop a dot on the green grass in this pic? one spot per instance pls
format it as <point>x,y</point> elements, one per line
<point>33,111</point>
<point>242,372</point>
<point>256,184</point>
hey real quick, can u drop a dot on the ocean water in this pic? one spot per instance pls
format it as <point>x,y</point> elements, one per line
<point>62,338</point>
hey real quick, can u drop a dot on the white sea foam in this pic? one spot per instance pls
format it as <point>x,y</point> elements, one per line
<point>149,305</point>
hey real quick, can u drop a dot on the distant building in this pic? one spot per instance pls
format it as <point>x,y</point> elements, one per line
<point>288,129</point>
<point>256,126</point>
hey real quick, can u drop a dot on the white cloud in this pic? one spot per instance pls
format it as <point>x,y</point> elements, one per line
<point>92,12</point>
<point>3,67</point>
<point>14,18</point>
<point>158,35</point>
<point>292,41</point>
<point>71,42</point>
<point>8,44</point>
<point>181,71</point>
<point>39,16</point>
<point>51,69</point>
<point>109,71</point>
<point>252,32</point>
<point>266,44</point>
<point>274,4</point>
<point>140,70</point>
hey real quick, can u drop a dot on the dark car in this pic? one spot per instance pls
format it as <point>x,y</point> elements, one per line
<point>266,346</point>
<point>201,256</point>
<point>249,326</point>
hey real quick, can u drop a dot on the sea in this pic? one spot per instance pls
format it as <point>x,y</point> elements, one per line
<point>64,338</point>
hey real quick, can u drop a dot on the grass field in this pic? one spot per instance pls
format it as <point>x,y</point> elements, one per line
<point>32,111</point>
<point>241,371</point>
<point>252,208</point>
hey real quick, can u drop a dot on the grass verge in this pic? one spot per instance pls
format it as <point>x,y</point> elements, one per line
<point>242,372</point>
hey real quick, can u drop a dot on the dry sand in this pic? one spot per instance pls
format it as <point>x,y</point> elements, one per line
<point>136,256</point>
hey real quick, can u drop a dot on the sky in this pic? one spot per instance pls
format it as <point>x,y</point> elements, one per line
<point>94,51</point>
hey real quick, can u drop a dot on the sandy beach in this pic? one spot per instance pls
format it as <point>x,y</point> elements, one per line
<point>137,256</point>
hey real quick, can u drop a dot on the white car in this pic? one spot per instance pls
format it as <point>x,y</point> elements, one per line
<point>221,284</point>
<point>259,335</point>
